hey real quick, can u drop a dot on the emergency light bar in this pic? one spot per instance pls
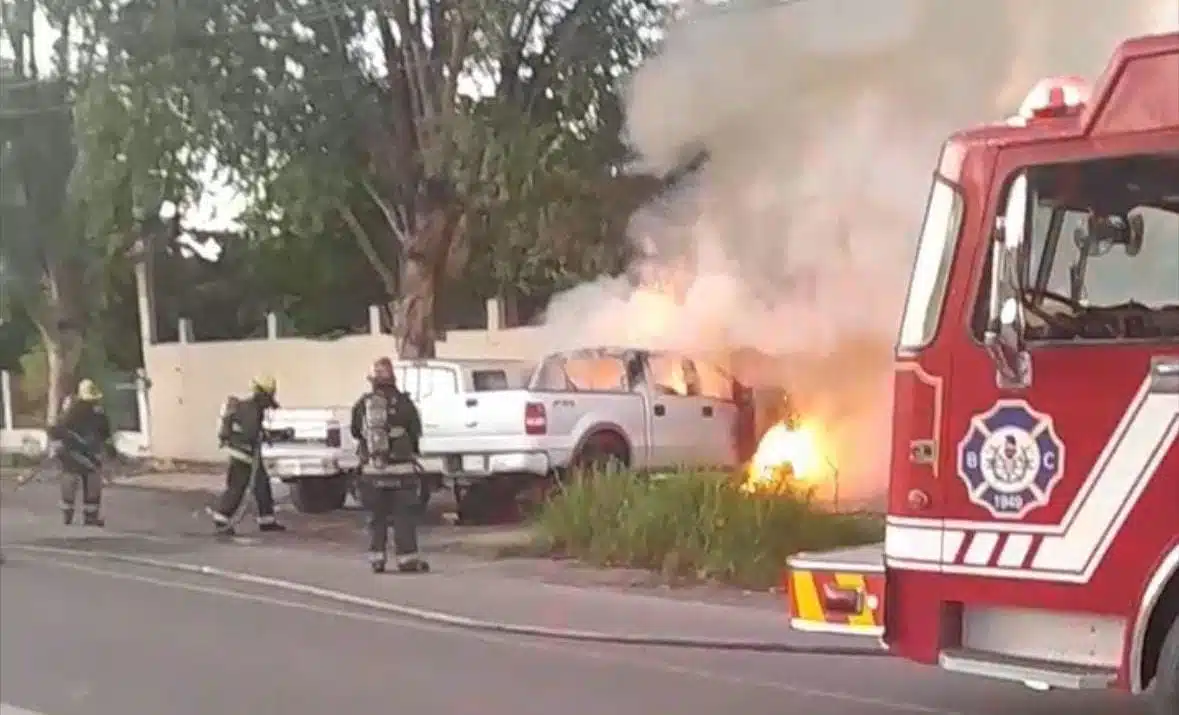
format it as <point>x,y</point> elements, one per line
<point>1055,97</point>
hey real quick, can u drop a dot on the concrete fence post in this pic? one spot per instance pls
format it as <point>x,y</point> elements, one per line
<point>6,398</point>
<point>495,315</point>
<point>184,330</point>
<point>141,403</point>
<point>374,320</point>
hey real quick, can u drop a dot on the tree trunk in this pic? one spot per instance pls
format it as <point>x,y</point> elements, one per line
<point>423,269</point>
<point>63,354</point>
<point>414,311</point>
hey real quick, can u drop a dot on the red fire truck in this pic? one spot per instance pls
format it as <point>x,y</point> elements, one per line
<point>1033,525</point>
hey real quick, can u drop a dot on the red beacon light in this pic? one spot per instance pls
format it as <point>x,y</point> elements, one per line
<point>1054,97</point>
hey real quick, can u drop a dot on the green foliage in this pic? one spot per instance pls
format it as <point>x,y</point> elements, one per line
<point>17,334</point>
<point>331,117</point>
<point>694,526</point>
<point>314,128</point>
<point>32,375</point>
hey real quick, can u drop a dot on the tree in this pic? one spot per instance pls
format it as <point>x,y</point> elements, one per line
<point>394,149</point>
<point>45,255</point>
<point>69,216</point>
<point>440,158</point>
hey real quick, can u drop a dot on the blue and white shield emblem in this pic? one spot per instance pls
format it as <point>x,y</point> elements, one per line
<point>1010,459</point>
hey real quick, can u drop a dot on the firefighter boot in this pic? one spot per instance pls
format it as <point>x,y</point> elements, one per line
<point>376,561</point>
<point>222,526</point>
<point>91,516</point>
<point>412,564</point>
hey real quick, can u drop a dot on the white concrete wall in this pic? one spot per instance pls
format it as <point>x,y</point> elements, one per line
<point>188,381</point>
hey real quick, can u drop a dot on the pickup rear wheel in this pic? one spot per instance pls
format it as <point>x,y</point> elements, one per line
<point>320,495</point>
<point>603,451</point>
<point>491,501</point>
<point>1163,695</point>
<point>363,493</point>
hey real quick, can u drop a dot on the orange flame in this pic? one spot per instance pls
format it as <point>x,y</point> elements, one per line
<point>796,450</point>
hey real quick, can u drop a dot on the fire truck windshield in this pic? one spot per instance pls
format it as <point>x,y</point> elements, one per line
<point>1102,257</point>
<point>931,269</point>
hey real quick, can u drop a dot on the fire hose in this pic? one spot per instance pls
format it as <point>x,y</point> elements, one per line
<point>50,460</point>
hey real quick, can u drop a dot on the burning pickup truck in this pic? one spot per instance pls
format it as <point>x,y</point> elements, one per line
<point>649,411</point>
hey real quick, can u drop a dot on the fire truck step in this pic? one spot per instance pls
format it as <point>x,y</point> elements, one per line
<point>1032,672</point>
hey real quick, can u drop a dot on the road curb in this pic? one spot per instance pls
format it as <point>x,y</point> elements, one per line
<point>454,620</point>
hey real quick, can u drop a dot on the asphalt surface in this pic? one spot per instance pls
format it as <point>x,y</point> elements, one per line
<point>80,635</point>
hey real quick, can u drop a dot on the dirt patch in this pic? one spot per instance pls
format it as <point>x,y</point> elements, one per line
<point>501,542</point>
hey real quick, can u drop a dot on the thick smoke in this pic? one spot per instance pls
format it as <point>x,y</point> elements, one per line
<point>822,121</point>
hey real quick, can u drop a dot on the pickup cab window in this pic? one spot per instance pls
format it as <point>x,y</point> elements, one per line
<point>668,376</point>
<point>486,380</point>
<point>563,373</point>
<point>425,381</point>
<point>714,383</point>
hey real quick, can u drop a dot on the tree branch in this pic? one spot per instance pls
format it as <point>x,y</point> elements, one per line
<point>395,217</point>
<point>386,274</point>
<point>548,59</point>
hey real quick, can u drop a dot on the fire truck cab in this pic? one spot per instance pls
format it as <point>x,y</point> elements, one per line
<point>1033,521</point>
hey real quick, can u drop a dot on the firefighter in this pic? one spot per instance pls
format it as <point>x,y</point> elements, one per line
<point>387,429</point>
<point>83,436</point>
<point>241,434</point>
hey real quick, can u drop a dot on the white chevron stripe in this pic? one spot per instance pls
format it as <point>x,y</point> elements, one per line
<point>981,547</point>
<point>1132,411</point>
<point>1094,540</point>
<point>1083,547</point>
<point>1072,550</point>
<point>1015,550</point>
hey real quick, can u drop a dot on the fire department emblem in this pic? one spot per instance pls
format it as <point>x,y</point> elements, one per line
<point>1011,459</point>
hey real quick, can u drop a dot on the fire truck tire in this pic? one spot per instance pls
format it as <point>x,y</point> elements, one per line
<point>1164,693</point>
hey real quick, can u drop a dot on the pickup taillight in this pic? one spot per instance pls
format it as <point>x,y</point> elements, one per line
<point>333,436</point>
<point>536,421</point>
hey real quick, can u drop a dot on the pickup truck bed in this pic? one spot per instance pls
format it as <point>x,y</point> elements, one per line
<point>839,591</point>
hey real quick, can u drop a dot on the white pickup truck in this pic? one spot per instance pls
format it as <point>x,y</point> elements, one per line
<point>649,411</point>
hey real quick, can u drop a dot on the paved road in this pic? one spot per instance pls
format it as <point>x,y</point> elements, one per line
<point>88,638</point>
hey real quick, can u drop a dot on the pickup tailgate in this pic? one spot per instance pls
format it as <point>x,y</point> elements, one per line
<point>487,422</point>
<point>307,441</point>
<point>839,591</point>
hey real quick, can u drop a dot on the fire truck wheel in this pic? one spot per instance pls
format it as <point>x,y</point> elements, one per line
<point>1164,693</point>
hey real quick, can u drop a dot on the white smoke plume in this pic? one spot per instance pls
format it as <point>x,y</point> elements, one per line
<point>822,120</point>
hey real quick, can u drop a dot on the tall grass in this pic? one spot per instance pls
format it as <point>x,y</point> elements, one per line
<point>694,526</point>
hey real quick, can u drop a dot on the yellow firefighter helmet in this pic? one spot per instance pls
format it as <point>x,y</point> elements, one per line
<point>264,383</point>
<point>88,391</point>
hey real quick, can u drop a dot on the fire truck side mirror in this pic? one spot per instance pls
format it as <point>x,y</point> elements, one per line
<point>1004,338</point>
